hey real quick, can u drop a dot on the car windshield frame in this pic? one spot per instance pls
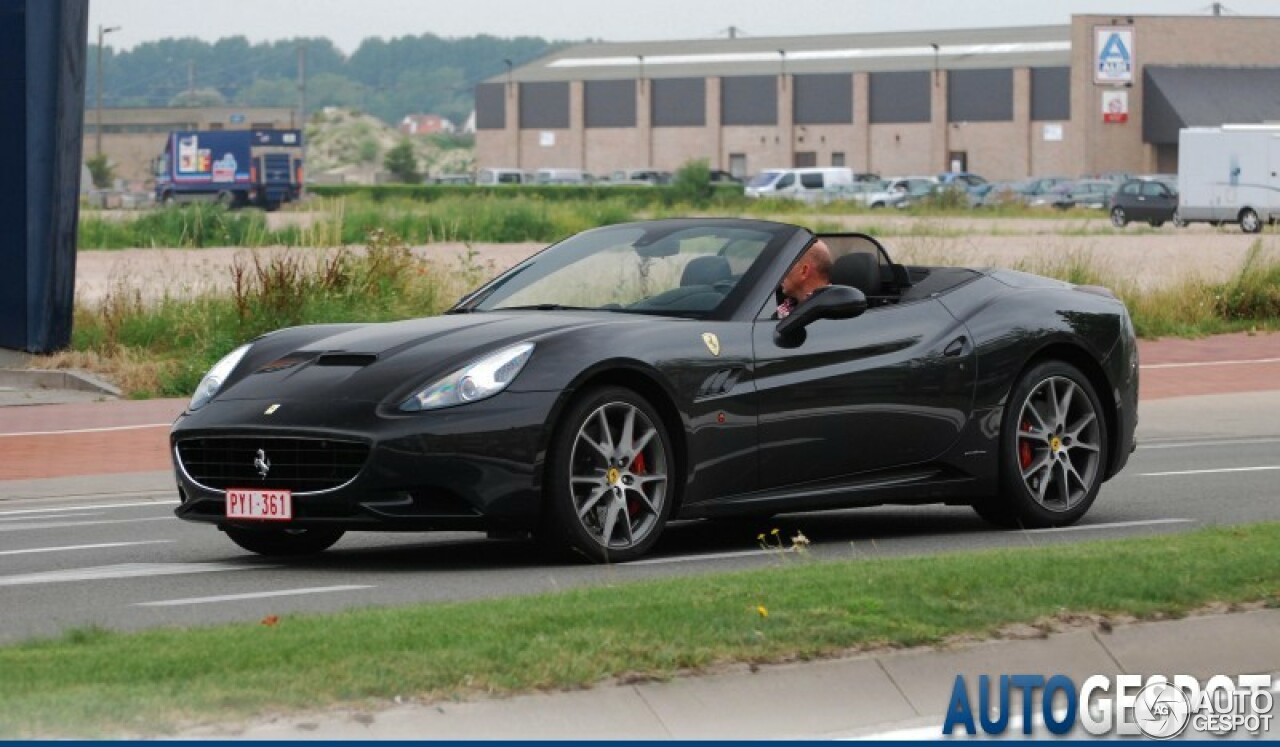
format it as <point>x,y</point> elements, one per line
<point>559,262</point>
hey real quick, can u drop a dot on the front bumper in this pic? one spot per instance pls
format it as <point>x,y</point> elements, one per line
<point>475,466</point>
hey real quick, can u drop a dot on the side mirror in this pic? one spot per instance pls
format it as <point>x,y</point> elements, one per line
<point>831,302</point>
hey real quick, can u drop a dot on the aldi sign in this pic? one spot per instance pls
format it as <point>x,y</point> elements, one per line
<point>1113,60</point>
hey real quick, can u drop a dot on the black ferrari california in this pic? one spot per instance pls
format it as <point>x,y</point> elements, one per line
<point>639,373</point>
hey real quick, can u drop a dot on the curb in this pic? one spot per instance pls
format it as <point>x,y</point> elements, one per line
<point>77,381</point>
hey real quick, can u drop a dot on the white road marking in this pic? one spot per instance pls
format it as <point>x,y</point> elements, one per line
<point>87,430</point>
<point>123,570</point>
<point>69,524</point>
<point>708,556</point>
<point>1201,364</point>
<point>1199,444</point>
<point>254,595</point>
<point>60,516</point>
<point>86,508</point>
<point>1111,525</point>
<point>1209,471</point>
<point>102,546</point>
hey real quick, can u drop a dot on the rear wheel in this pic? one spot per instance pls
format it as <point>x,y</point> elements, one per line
<point>281,542</point>
<point>1249,221</point>
<point>1178,221</point>
<point>611,481</point>
<point>1053,450</point>
<point>1118,218</point>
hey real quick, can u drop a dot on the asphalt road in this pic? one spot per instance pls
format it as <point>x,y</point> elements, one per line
<point>125,562</point>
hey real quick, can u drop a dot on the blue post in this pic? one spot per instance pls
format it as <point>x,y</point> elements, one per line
<point>42,75</point>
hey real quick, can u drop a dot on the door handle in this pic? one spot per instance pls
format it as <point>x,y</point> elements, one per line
<point>956,347</point>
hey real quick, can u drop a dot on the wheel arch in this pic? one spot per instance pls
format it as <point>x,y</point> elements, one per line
<point>642,380</point>
<point>1083,361</point>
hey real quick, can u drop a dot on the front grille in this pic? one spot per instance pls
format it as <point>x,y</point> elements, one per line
<point>302,465</point>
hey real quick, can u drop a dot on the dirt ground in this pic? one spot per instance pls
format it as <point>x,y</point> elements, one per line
<point>1151,258</point>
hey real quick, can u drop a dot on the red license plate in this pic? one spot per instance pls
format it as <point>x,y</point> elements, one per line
<point>259,505</point>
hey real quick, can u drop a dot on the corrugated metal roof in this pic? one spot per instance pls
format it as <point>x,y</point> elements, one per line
<point>1028,46</point>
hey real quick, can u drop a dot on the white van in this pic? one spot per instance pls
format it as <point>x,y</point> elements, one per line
<point>807,185</point>
<point>503,176</point>
<point>1228,174</point>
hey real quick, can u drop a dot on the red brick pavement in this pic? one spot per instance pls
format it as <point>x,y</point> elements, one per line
<point>141,443</point>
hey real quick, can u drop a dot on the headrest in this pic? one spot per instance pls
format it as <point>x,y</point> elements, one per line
<point>706,271</point>
<point>860,270</point>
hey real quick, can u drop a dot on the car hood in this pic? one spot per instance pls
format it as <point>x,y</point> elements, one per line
<point>376,361</point>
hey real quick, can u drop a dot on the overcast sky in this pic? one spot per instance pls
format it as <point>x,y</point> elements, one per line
<point>347,22</point>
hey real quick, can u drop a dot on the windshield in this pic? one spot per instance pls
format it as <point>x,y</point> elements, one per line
<point>669,267</point>
<point>764,179</point>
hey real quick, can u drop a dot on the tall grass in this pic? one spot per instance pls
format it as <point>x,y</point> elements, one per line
<point>178,339</point>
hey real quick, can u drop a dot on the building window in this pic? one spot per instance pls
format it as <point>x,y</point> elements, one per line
<point>738,165</point>
<point>215,125</point>
<point>837,159</point>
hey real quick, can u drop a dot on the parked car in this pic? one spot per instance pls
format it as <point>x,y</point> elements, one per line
<point>625,378</point>
<point>1084,193</point>
<point>1152,199</point>
<point>651,177</point>
<point>898,189</point>
<point>723,177</point>
<point>860,192</point>
<point>562,176</point>
<point>1037,191</point>
<point>503,176</point>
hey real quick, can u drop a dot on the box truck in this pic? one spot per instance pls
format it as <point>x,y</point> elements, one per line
<point>1229,174</point>
<point>232,167</point>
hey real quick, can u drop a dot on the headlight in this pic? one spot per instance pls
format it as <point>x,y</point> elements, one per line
<point>212,381</point>
<point>475,381</point>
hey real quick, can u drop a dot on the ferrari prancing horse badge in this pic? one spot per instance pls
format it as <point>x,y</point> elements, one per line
<point>713,342</point>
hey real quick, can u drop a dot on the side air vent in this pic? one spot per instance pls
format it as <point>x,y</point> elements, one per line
<point>720,382</point>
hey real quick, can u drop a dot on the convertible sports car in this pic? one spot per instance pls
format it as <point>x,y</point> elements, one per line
<point>636,374</point>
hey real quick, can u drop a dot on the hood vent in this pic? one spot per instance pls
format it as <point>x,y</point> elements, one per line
<point>350,360</point>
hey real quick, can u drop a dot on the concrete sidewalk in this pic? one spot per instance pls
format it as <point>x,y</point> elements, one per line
<point>881,695</point>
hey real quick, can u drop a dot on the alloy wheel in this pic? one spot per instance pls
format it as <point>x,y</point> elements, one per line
<point>1059,444</point>
<point>618,475</point>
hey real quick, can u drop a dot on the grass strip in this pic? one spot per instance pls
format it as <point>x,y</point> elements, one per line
<point>95,682</point>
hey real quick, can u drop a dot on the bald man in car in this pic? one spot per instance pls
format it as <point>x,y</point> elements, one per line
<point>813,271</point>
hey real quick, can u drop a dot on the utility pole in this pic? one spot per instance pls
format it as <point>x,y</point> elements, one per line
<point>98,130</point>
<point>302,85</point>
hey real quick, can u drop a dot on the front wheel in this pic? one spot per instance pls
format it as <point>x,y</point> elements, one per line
<point>1249,221</point>
<point>1118,218</point>
<point>284,542</point>
<point>611,478</point>
<point>1053,450</point>
<point>1178,220</point>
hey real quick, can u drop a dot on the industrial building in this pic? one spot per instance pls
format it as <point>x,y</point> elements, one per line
<point>1106,93</point>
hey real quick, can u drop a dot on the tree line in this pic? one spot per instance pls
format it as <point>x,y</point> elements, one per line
<point>386,78</point>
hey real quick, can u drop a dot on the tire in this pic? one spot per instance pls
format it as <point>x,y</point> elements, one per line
<point>1178,221</point>
<point>594,480</point>
<point>225,199</point>
<point>1118,218</point>
<point>168,199</point>
<point>1249,221</point>
<point>284,542</point>
<point>1052,462</point>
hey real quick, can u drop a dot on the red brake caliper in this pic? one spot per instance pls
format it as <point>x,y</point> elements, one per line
<point>637,468</point>
<point>1024,448</point>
